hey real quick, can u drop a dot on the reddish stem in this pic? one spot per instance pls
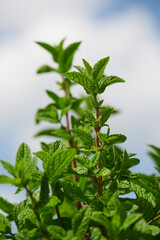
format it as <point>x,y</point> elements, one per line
<point>78,204</point>
<point>44,231</point>
<point>152,220</point>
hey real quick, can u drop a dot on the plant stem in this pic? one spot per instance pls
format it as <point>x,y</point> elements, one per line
<point>78,204</point>
<point>97,129</point>
<point>57,209</point>
<point>44,231</point>
<point>152,220</point>
<point>100,182</point>
<point>110,177</point>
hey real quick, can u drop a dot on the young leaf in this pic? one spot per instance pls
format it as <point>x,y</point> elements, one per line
<point>45,69</point>
<point>25,165</point>
<point>56,232</point>
<point>81,79</point>
<point>105,113</point>
<point>98,69</point>
<point>56,165</point>
<point>6,179</point>
<point>94,160</point>
<point>48,113</point>
<point>142,227</point>
<point>73,191</point>
<point>155,155</point>
<point>107,81</point>
<point>62,133</point>
<point>130,219</point>
<point>112,139</point>
<point>5,225</point>
<point>6,206</point>
<point>44,192</point>
<point>145,189</point>
<point>50,49</point>
<point>53,147</point>
<point>66,57</point>
<point>81,221</point>
<point>9,167</point>
<point>87,66</point>
<point>128,162</point>
<point>88,116</point>
<point>52,95</point>
<point>83,159</point>
<point>86,138</point>
<point>81,70</point>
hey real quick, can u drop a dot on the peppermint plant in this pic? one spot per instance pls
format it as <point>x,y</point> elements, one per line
<point>83,190</point>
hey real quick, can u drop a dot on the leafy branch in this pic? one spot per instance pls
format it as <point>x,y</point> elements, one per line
<point>85,165</point>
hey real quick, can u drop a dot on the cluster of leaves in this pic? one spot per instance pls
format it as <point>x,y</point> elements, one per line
<point>81,191</point>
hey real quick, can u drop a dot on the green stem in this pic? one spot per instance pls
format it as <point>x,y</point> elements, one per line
<point>97,129</point>
<point>44,231</point>
<point>57,209</point>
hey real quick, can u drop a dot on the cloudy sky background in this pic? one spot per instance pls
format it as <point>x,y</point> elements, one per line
<point>127,31</point>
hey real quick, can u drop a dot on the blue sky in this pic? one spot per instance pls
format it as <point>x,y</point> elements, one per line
<point>128,31</point>
<point>120,6</point>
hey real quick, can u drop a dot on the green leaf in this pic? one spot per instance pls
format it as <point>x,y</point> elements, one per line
<point>9,167</point>
<point>145,207</point>
<point>81,221</point>
<point>56,232</point>
<point>66,57</point>
<point>48,113</point>
<point>44,156</point>
<point>81,170</point>
<point>73,191</point>
<point>74,122</point>
<point>130,219</point>
<point>112,139</point>
<point>81,79</point>
<point>46,68</point>
<point>25,165</point>
<point>86,138</point>
<point>56,165</point>
<point>94,160</point>
<point>52,95</point>
<point>62,133</point>
<point>6,206</point>
<point>82,159</point>
<point>6,179</point>
<point>5,225</point>
<point>155,155</point>
<point>20,213</point>
<point>142,227</point>
<point>65,110</point>
<point>23,153</point>
<point>98,69</point>
<point>50,49</point>
<point>107,81</point>
<point>81,70</point>
<point>128,162</point>
<point>45,132</point>
<point>145,189</point>
<point>87,66</point>
<point>57,145</point>
<point>101,219</point>
<point>105,113</point>
<point>88,116</point>
<point>44,191</point>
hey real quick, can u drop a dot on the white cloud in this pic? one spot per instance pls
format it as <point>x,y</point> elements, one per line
<point>130,41</point>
